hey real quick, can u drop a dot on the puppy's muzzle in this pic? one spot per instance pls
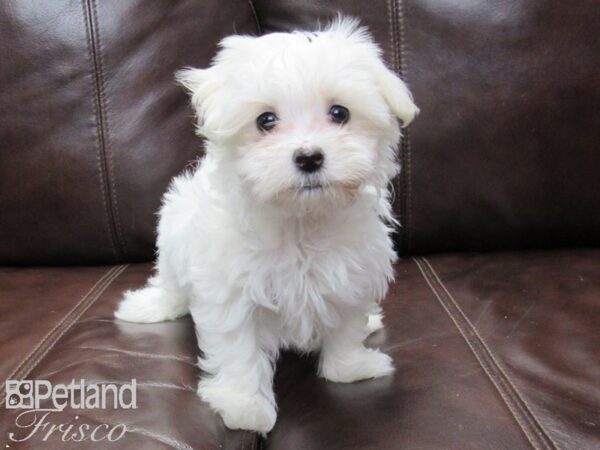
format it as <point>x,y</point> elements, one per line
<point>309,160</point>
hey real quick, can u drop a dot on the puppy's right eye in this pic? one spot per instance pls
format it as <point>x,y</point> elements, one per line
<point>266,121</point>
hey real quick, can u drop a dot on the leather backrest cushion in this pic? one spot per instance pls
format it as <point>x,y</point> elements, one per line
<point>92,126</point>
<point>92,123</point>
<point>506,151</point>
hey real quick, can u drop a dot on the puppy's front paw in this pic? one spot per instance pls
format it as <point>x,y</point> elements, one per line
<point>252,412</point>
<point>358,365</point>
<point>240,411</point>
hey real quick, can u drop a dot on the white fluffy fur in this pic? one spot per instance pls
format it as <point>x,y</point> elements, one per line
<point>260,262</point>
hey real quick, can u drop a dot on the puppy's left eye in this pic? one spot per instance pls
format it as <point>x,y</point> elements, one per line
<point>267,121</point>
<point>339,114</point>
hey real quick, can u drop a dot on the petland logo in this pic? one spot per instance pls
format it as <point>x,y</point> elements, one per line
<point>39,399</point>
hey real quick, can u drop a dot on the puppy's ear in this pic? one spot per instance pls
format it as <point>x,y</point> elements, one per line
<point>203,85</point>
<point>396,94</point>
<point>197,82</point>
<point>190,78</point>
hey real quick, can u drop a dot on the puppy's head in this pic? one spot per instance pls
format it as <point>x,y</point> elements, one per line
<point>304,119</point>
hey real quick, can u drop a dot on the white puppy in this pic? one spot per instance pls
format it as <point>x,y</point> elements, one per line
<point>281,239</point>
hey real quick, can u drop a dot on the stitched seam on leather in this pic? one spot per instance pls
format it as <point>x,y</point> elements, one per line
<point>255,14</point>
<point>104,166</point>
<point>406,150</point>
<point>393,35</point>
<point>50,339</point>
<point>110,231</point>
<point>257,441</point>
<point>404,179</point>
<point>518,395</point>
<point>58,324</point>
<point>485,368</point>
<point>519,409</point>
<point>396,201</point>
<point>108,154</point>
<point>76,316</point>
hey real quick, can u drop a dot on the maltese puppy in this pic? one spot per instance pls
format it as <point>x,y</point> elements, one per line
<point>281,238</point>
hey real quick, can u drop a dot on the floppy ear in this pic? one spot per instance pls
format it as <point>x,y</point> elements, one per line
<point>197,82</point>
<point>202,84</point>
<point>190,78</point>
<point>397,95</point>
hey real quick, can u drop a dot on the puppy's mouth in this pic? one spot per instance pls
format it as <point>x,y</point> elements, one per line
<point>311,187</point>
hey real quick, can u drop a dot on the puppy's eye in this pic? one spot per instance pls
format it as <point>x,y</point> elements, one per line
<point>267,121</point>
<point>339,114</point>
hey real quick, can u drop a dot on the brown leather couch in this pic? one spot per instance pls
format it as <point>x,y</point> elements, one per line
<point>494,319</point>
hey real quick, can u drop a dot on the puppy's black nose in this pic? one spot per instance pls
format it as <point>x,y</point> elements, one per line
<point>308,160</point>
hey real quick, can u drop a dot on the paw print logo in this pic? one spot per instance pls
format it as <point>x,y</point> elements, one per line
<point>19,394</point>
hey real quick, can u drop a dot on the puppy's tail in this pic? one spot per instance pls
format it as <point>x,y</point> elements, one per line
<point>153,303</point>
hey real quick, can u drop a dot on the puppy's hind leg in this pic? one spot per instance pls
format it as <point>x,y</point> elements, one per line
<point>158,301</point>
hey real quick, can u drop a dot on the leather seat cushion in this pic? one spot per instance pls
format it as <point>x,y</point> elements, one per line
<point>494,349</point>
